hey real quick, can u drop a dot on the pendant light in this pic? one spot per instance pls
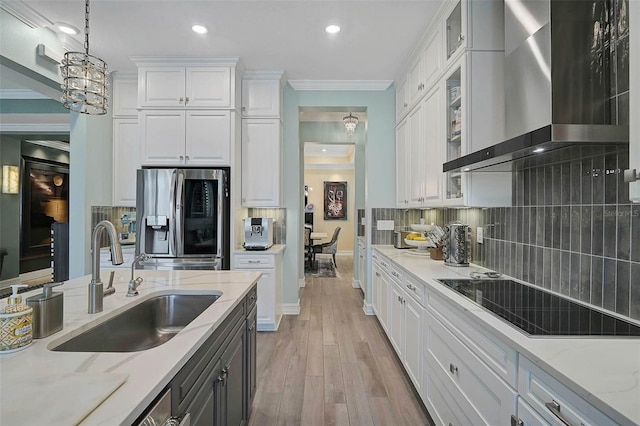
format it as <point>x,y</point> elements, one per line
<point>86,79</point>
<point>350,123</point>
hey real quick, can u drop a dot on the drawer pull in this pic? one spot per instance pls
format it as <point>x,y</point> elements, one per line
<point>254,261</point>
<point>377,274</point>
<point>554,407</point>
<point>515,421</point>
<point>453,368</point>
<point>383,264</point>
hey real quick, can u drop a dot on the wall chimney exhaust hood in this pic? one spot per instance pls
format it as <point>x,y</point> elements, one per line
<point>566,82</point>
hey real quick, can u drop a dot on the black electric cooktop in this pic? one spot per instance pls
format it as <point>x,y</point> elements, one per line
<point>540,313</point>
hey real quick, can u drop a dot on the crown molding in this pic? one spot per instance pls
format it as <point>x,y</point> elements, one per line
<point>339,166</point>
<point>21,94</point>
<point>159,61</point>
<point>270,74</point>
<point>25,13</point>
<point>369,85</point>
<point>34,123</point>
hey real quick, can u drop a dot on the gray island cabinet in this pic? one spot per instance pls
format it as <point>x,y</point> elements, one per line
<point>216,386</point>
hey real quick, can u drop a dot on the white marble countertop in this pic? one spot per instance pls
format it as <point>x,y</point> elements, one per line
<point>145,374</point>
<point>603,371</point>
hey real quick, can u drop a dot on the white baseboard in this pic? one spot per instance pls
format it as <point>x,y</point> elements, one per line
<point>301,282</point>
<point>367,308</point>
<point>355,283</point>
<point>291,308</point>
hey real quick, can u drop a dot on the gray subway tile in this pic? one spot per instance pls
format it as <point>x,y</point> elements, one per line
<point>597,230</point>
<point>539,267</point>
<point>548,226</point>
<point>555,270</point>
<point>540,226</point>
<point>565,227</point>
<point>540,187</point>
<point>556,219</point>
<point>556,184</point>
<point>565,272</point>
<point>575,228</point>
<point>623,277</point>
<point>565,176</point>
<point>609,235</point>
<point>548,185</point>
<point>597,279</point>
<point>575,190</point>
<point>546,272</point>
<point>624,232</point>
<point>609,284</point>
<point>574,290</point>
<point>585,278</point>
<point>610,179</point>
<point>597,180</point>
<point>634,291</point>
<point>585,229</point>
<point>586,181</point>
<point>525,224</point>
<point>635,233</point>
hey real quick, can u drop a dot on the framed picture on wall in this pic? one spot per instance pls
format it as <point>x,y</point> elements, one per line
<point>335,200</point>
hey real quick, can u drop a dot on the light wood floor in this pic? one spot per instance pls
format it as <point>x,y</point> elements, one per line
<point>332,364</point>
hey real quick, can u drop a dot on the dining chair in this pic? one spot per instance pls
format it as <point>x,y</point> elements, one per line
<point>329,248</point>
<point>308,249</point>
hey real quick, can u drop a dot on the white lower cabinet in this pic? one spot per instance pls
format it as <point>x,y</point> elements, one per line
<point>362,269</point>
<point>491,400</point>
<point>269,286</point>
<point>553,401</point>
<point>527,416</point>
<point>413,314</point>
<point>396,321</point>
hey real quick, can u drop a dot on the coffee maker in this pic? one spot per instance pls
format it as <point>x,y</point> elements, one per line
<point>457,244</point>
<point>128,220</point>
<point>258,233</point>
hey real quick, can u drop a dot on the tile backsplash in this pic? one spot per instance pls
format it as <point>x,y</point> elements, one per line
<point>571,229</point>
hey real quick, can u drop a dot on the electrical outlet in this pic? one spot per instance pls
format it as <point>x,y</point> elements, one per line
<point>363,221</point>
<point>385,225</point>
<point>479,235</point>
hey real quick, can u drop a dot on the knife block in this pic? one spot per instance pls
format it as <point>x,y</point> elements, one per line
<point>436,253</point>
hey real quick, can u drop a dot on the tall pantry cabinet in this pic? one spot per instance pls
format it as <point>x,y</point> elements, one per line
<point>453,83</point>
<point>262,104</point>
<point>126,143</point>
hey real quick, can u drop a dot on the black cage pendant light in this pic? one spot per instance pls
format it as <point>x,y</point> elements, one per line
<point>86,78</point>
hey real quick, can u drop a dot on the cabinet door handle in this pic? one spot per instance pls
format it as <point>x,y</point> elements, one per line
<point>186,100</point>
<point>405,104</point>
<point>377,274</point>
<point>453,368</point>
<point>554,407</point>
<point>252,327</point>
<point>244,109</point>
<point>515,421</point>
<point>181,157</point>
<point>181,99</point>
<point>186,158</point>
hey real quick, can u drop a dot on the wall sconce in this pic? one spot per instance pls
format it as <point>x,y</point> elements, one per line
<point>10,179</point>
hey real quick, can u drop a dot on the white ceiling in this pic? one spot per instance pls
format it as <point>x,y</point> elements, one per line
<point>312,149</point>
<point>376,37</point>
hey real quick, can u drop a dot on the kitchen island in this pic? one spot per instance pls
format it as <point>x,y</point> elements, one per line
<point>40,386</point>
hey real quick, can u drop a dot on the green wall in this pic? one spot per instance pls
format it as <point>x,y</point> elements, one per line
<point>379,174</point>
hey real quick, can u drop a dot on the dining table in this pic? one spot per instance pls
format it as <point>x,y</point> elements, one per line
<point>318,235</point>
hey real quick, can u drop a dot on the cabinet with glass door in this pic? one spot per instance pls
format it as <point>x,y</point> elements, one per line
<point>455,114</point>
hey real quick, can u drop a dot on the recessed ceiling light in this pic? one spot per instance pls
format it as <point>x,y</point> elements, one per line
<point>332,29</point>
<point>466,169</point>
<point>66,28</point>
<point>200,29</point>
<point>538,150</point>
<point>324,149</point>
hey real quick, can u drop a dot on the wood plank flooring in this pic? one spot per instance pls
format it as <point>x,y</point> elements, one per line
<point>332,364</point>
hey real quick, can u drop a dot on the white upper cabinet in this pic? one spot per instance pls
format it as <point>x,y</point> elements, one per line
<point>472,25</point>
<point>261,162</point>
<point>262,138</point>
<point>126,160</point>
<point>191,138</point>
<point>126,140</point>
<point>262,94</point>
<point>125,95</point>
<point>402,106</point>
<point>184,87</point>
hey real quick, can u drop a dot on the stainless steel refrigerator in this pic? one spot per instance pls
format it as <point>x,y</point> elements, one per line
<point>183,218</point>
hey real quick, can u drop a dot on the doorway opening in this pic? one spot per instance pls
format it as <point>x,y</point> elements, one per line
<point>333,181</point>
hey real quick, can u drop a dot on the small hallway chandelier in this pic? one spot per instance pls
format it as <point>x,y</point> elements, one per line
<point>350,123</point>
<point>86,79</point>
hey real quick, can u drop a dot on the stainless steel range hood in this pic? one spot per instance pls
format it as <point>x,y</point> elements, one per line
<point>566,64</point>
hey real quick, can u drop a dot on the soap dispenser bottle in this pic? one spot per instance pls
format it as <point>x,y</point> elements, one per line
<point>16,321</point>
<point>47,311</point>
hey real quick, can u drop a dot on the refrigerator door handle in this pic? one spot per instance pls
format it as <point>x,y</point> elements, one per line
<point>179,214</point>
<point>172,213</point>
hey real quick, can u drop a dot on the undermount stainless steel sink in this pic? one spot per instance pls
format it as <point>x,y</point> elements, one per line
<point>144,326</point>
